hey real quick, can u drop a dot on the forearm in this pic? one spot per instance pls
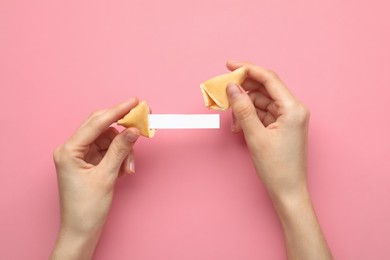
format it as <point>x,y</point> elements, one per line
<point>302,232</point>
<point>71,246</point>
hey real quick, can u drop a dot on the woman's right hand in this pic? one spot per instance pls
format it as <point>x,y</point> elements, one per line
<point>275,125</point>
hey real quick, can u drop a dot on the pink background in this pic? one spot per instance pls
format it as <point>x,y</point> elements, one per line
<point>195,194</point>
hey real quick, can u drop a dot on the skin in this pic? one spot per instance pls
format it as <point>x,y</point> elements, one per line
<point>275,125</point>
<point>88,165</point>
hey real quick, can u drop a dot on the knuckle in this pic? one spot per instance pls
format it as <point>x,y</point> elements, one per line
<point>95,120</point>
<point>119,151</point>
<point>60,153</point>
<point>273,75</point>
<point>306,112</point>
<point>57,154</point>
<point>290,106</point>
<point>94,114</point>
<point>301,113</point>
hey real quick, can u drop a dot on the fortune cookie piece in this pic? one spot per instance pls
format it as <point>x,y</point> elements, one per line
<point>214,89</point>
<point>138,118</point>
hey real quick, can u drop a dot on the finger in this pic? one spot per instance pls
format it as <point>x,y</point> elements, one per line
<point>235,127</point>
<point>260,100</point>
<point>98,122</point>
<point>128,165</point>
<point>131,162</point>
<point>119,149</point>
<point>265,117</point>
<point>251,85</point>
<point>105,139</point>
<point>243,109</point>
<point>269,79</point>
<point>264,103</point>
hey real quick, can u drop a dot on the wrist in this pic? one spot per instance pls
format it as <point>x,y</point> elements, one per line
<point>290,201</point>
<point>302,232</point>
<point>75,245</point>
<point>72,233</point>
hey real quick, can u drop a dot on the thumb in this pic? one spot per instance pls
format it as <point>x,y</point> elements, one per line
<point>119,148</point>
<point>243,109</point>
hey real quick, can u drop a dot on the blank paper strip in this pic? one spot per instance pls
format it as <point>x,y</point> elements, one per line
<point>183,121</point>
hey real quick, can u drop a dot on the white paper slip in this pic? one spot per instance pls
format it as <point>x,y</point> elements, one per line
<point>183,121</point>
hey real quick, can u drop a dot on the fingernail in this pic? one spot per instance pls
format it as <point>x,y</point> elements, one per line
<point>233,123</point>
<point>233,90</point>
<point>232,126</point>
<point>132,166</point>
<point>133,99</point>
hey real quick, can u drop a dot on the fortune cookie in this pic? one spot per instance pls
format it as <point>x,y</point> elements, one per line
<point>138,118</point>
<point>214,89</point>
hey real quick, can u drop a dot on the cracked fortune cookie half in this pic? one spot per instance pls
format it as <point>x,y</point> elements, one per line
<point>138,118</point>
<point>214,89</point>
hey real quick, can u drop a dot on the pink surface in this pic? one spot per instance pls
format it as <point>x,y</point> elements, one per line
<point>195,194</point>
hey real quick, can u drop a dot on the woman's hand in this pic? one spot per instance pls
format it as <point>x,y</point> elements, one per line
<point>88,165</point>
<point>275,125</point>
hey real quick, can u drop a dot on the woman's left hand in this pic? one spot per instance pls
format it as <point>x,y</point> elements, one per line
<point>88,165</point>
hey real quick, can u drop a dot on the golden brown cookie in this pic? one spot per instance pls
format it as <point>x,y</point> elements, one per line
<point>214,89</point>
<point>138,118</point>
